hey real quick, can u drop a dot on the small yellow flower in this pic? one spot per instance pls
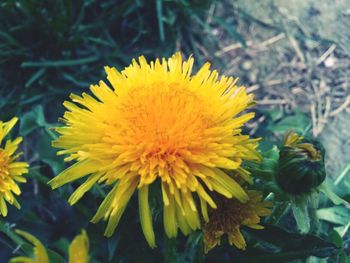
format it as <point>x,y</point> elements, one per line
<point>157,122</point>
<point>11,171</point>
<point>78,250</point>
<point>230,215</point>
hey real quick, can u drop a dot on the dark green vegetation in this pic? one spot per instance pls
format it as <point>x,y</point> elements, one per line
<point>49,49</point>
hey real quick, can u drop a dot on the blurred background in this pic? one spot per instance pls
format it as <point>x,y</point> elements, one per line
<point>294,55</point>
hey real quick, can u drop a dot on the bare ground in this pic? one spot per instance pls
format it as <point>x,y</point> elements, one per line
<point>297,58</point>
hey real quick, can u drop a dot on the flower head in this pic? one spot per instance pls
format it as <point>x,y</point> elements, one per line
<point>301,164</point>
<point>11,171</point>
<point>158,121</point>
<point>78,249</point>
<point>230,215</point>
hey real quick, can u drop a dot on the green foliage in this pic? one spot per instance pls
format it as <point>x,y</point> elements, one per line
<point>51,48</point>
<point>274,244</point>
<point>284,246</point>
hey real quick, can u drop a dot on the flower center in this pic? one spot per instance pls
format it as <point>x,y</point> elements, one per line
<point>163,117</point>
<point>164,121</point>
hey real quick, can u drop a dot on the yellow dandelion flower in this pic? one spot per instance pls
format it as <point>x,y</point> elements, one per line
<point>40,254</point>
<point>78,249</point>
<point>230,215</point>
<point>11,171</point>
<point>158,121</point>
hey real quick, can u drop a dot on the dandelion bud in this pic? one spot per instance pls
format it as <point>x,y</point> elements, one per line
<point>301,164</point>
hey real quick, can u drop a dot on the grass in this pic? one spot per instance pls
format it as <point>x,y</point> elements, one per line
<point>60,45</point>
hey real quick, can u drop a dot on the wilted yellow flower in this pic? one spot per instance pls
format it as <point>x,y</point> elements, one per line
<point>292,139</point>
<point>11,172</point>
<point>78,250</point>
<point>230,215</point>
<point>157,122</point>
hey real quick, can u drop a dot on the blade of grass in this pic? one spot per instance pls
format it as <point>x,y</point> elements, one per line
<point>100,41</point>
<point>159,6</point>
<point>342,175</point>
<point>35,77</point>
<point>59,63</point>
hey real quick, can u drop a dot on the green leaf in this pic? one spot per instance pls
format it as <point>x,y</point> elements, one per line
<point>342,230</point>
<point>285,246</point>
<point>55,257</point>
<point>35,174</point>
<point>341,256</point>
<point>47,153</point>
<point>266,169</point>
<point>5,228</point>
<point>298,122</point>
<point>336,214</point>
<point>325,188</point>
<point>32,120</point>
<point>170,254</point>
<point>194,250</point>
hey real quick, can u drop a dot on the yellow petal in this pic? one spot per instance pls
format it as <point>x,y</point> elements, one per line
<point>82,189</point>
<point>146,216</point>
<point>3,207</point>
<point>6,127</point>
<point>231,185</point>
<point>79,249</point>
<point>39,250</point>
<point>170,224</point>
<point>236,238</point>
<point>76,171</point>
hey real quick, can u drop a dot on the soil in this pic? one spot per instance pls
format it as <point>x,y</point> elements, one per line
<point>297,57</point>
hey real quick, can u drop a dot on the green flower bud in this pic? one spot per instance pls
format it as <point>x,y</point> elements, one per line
<point>301,164</point>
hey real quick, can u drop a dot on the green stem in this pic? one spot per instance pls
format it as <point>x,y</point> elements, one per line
<point>301,214</point>
<point>313,201</point>
<point>278,212</point>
